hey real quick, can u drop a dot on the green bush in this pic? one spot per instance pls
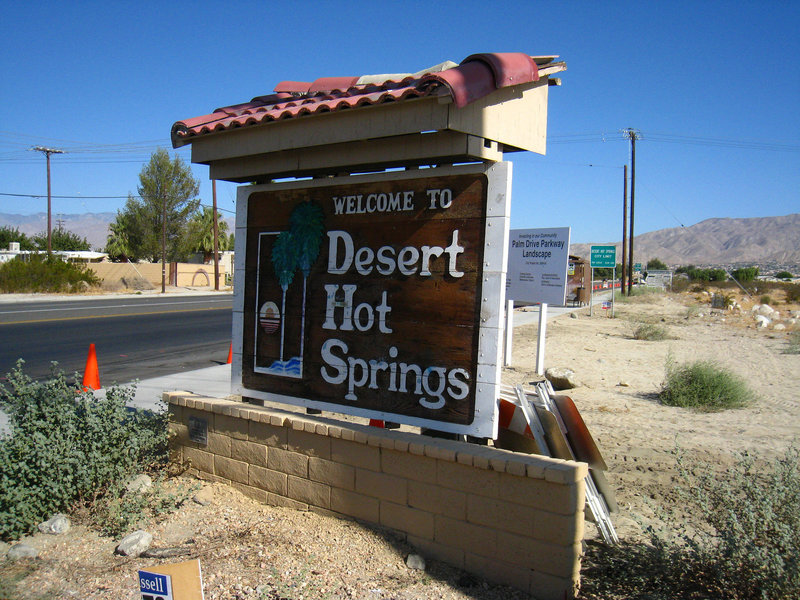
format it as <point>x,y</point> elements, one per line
<point>794,343</point>
<point>644,293</point>
<point>765,299</point>
<point>745,274</point>
<point>783,275</point>
<point>705,386</point>
<point>650,332</point>
<point>42,273</point>
<point>65,445</point>
<point>118,512</point>
<point>738,542</point>
<point>792,293</point>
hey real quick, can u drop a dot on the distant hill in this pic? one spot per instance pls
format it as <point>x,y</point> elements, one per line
<point>761,240</point>
<point>92,226</point>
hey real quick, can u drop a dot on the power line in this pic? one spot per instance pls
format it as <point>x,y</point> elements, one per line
<point>68,197</point>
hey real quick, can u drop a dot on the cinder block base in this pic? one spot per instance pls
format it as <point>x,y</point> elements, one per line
<point>515,519</point>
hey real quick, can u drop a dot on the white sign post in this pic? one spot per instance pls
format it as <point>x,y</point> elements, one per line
<point>537,273</point>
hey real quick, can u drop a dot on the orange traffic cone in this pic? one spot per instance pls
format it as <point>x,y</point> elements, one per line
<point>91,376</point>
<point>230,354</point>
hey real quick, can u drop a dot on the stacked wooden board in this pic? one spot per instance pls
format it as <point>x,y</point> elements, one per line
<point>541,422</point>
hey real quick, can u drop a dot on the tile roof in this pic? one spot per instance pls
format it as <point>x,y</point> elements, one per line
<point>477,76</point>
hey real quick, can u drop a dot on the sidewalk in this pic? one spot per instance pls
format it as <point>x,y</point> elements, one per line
<point>154,293</point>
<point>214,382</point>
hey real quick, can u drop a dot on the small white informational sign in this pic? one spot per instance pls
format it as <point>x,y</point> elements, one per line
<point>537,265</point>
<point>155,586</point>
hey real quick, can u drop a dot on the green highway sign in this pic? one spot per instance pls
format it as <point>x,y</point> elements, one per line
<point>603,257</point>
<point>637,267</point>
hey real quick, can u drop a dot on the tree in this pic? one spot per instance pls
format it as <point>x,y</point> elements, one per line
<point>8,235</point>
<point>745,274</point>
<point>62,240</point>
<point>159,215</point>
<point>200,234</point>
<point>656,265</point>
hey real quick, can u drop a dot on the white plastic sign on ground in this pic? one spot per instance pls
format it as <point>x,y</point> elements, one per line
<point>537,265</point>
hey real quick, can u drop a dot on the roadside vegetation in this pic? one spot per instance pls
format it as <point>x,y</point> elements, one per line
<point>149,226</point>
<point>68,450</point>
<point>60,239</point>
<point>737,539</point>
<point>39,273</point>
<point>704,386</point>
<point>794,343</point>
<point>649,332</point>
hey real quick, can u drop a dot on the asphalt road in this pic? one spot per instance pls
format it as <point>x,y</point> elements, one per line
<point>135,338</point>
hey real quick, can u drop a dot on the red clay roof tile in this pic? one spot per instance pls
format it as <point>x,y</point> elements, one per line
<point>477,76</point>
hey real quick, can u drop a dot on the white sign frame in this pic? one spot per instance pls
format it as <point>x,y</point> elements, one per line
<point>493,280</point>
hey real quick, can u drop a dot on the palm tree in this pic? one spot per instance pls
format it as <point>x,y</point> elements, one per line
<point>307,228</point>
<point>284,260</point>
<point>117,244</point>
<point>201,233</point>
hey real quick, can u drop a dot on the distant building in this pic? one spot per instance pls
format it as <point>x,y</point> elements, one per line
<point>74,256</point>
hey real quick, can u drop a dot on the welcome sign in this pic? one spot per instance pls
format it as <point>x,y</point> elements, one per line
<point>379,296</point>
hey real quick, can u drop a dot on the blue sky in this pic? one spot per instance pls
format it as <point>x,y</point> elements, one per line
<point>712,87</point>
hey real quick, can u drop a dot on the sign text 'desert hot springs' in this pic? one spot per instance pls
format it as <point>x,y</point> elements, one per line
<point>368,295</point>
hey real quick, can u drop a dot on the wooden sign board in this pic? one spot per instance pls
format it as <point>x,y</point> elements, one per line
<point>379,296</point>
<point>177,581</point>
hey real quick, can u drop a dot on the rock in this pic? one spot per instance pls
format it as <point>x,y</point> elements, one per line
<point>623,384</point>
<point>55,525</point>
<point>764,309</point>
<point>779,327</point>
<point>562,378</point>
<point>135,543</point>
<point>761,321</point>
<point>204,496</point>
<point>137,283</point>
<point>415,561</point>
<point>139,484</point>
<point>572,315</point>
<point>18,551</point>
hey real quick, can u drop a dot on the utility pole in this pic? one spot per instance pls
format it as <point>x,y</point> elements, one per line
<point>216,247</point>
<point>47,152</point>
<point>633,135</point>
<point>624,229</point>
<point>164,246</point>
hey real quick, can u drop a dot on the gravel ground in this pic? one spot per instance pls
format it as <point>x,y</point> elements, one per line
<point>246,550</point>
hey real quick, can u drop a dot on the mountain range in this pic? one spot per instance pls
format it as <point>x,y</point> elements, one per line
<point>759,240</point>
<point>725,241</point>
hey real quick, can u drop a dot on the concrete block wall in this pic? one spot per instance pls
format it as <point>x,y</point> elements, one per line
<point>513,518</point>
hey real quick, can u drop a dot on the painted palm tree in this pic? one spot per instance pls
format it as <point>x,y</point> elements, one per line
<point>307,228</point>
<point>284,261</point>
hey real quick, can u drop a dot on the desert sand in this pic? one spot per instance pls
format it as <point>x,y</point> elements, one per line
<point>619,379</point>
